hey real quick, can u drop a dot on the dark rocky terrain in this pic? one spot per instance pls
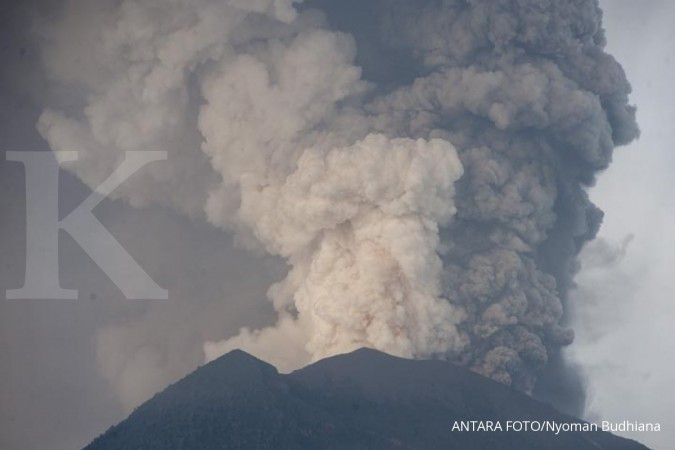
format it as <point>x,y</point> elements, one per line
<point>363,400</point>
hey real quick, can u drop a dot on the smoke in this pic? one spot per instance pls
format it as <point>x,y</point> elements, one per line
<point>359,226</point>
<point>421,166</point>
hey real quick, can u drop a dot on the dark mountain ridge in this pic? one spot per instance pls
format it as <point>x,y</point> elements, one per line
<point>361,400</point>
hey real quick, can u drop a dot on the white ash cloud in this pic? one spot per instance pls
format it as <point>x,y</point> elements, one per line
<point>433,209</point>
<point>359,226</point>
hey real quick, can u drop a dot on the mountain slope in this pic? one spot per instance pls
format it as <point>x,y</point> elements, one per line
<point>362,400</point>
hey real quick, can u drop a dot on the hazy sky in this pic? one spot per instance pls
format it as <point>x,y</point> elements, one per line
<point>51,388</point>
<point>625,309</point>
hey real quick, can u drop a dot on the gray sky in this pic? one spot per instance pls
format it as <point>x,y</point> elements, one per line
<point>629,355</point>
<point>51,389</point>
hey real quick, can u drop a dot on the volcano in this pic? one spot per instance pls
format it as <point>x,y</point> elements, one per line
<point>362,400</point>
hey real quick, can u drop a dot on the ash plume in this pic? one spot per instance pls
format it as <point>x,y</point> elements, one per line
<point>421,166</point>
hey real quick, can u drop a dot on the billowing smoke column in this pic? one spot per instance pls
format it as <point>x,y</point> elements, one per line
<point>420,165</point>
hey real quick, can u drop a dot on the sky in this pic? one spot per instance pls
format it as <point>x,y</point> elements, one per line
<point>52,388</point>
<point>624,302</point>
